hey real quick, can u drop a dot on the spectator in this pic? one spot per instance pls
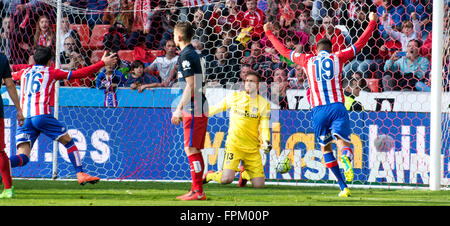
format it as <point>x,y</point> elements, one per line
<point>260,62</point>
<point>165,65</point>
<point>408,72</point>
<point>204,33</point>
<point>138,79</point>
<point>320,10</point>
<point>227,18</point>
<point>410,31</point>
<point>72,59</point>
<point>234,47</point>
<point>332,33</point>
<point>352,87</point>
<point>297,78</point>
<point>244,69</point>
<point>173,12</point>
<point>395,12</point>
<point>67,31</point>
<point>279,87</point>
<point>425,49</point>
<point>141,24</point>
<point>287,14</point>
<point>223,69</point>
<point>114,40</point>
<point>126,16</point>
<point>423,8</point>
<point>368,60</point>
<point>44,36</point>
<point>253,17</point>
<point>109,79</point>
<point>21,35</point>
<point>303,30</point>
<point>111,12</point>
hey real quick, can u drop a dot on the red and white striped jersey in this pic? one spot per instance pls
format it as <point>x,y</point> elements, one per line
<point>324,74</point>
<point>37,86</point>
<point>194,3</point>
<point>324,69</point>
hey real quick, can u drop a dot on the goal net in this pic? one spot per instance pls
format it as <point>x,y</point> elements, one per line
<point>123,130</point>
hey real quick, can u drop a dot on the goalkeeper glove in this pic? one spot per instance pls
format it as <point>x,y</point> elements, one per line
<point>266,146</point>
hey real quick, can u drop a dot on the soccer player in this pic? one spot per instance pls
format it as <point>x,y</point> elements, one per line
<point>5,170</point>
<point>329,116</point>
<point>192,108</point>
<point>249,112</point>
<point>36,91</point>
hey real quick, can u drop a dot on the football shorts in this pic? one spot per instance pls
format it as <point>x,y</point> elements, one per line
<point>36,125</point>
<point>330,121</point>
<point>194,129</point>
<point>251,161</point>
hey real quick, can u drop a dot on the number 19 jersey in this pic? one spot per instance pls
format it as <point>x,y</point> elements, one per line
<point>324,74</point>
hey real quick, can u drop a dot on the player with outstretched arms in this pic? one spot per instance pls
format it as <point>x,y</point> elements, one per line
<point>192,108</point>
<point>330,118</point>
<point>37,84</point>
<point>249,114</point>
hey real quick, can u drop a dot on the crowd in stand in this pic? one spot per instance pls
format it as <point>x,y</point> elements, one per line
<point>229,34</point>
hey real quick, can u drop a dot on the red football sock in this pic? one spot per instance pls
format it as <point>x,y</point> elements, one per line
<point>5,170</point>
<point>197,166</point>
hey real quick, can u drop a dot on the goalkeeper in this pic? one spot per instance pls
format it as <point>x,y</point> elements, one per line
<point>249,114</point>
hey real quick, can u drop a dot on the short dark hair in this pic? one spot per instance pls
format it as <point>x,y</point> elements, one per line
<point>186,30</point>
<point>417,41</point>
<point>42,55</point>
<point>325,44</point>
<point>136,64</point>
<point>254,73</point>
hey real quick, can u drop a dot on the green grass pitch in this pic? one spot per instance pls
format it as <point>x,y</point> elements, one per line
<point>132,193</point>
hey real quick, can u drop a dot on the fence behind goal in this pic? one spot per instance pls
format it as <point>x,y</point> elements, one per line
<point>133,138</point>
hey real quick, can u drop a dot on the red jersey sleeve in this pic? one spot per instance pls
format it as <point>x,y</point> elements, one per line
<point>298,58</point>
<point>80,73</point>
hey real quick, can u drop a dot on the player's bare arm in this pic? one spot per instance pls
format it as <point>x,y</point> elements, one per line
<point>185,98</point>
<point>11,87</point>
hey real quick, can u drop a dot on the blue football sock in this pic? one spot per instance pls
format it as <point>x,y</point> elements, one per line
<point>331,163</point>
<point>18,160</point>
<point>74,157</point>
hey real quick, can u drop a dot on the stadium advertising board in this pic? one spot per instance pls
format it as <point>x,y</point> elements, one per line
<point>137,140</point>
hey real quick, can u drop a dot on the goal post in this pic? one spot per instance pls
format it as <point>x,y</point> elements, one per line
<point>136,141</point>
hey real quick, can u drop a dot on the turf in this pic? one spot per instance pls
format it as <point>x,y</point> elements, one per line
<point>126,193</point>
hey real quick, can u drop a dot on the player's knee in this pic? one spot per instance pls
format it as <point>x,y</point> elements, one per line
<point>65,139</point>
<point>258,182</point>
<point>226,179</point>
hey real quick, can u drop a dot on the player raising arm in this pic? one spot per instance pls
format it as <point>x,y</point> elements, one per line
<point>249,112</point>
<point>329,116</point>
<point>37,85</point>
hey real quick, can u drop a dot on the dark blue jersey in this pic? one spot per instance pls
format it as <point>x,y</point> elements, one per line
<point>190,63</point>
<point>5,72</point>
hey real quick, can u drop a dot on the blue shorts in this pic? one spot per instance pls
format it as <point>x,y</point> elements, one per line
<point>36,125</point>
<point>330,121</point>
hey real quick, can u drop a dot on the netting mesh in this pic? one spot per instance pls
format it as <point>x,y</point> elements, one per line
<point>133,138</point>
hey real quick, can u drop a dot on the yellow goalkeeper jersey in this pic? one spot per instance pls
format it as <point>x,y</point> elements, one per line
<point>249,118</point>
